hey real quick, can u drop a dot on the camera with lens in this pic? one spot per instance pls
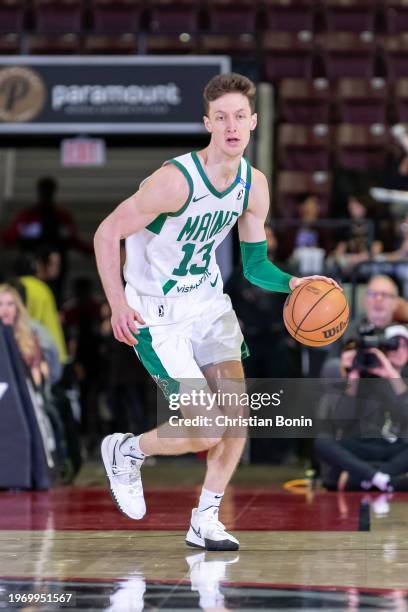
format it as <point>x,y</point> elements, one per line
<point>369,338</point>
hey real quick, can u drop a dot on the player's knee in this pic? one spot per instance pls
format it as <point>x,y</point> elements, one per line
<point>204,443</point>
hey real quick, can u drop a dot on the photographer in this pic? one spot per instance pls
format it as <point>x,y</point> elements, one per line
<point>380,305</point>
<point>363,444</point>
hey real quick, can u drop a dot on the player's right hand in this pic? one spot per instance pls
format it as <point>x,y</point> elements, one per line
<point>124,326</point>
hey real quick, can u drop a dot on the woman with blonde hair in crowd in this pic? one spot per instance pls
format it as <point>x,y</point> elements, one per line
<point>14,313</point>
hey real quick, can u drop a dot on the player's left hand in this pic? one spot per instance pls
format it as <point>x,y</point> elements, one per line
<point>295,281</point>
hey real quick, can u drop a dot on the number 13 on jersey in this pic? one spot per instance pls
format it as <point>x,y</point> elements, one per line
<point>189,250</point>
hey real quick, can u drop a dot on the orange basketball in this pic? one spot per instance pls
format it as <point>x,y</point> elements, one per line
<point>316,313</point>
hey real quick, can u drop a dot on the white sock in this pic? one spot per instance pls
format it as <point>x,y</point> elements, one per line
<point>209,499</point>
<point>131,448</point>
<point>381,481</point>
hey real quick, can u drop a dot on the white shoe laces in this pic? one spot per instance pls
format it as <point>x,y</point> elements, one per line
<point>131,473</point>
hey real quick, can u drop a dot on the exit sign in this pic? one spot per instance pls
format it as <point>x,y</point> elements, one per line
<point>83,152</point>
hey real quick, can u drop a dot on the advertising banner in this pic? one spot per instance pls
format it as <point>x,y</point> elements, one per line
<point>105,95</point>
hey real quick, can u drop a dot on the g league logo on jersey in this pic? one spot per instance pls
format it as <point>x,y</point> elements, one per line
<point>240,194</point>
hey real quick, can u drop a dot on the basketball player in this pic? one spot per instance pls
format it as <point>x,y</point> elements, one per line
<point>173,309</point>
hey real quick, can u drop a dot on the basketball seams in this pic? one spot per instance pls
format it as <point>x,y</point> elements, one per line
<point>308,331</point>
<point>318,342</point>
<point>298,293</point>
<point>314,306</point>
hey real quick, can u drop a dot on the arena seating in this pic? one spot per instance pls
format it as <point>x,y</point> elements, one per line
<point>169,17</point>
<point>232,16</point>
<point>362,147</point>
<point>116,17</point>
<point>58,16</point>
<point>361,101</point>
<point>12,16</point>
<point>304,101</point>
<point>291,184</point>
<point>350,16</point>
<point>288,55</point>
<point>347,54</point>
<point>284,16</point>
<point>305,148</point>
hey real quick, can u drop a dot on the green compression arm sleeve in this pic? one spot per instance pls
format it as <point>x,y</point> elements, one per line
<point>260,271</point>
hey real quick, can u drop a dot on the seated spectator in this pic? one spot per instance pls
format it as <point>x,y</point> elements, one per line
<point>48,347</point>
<point>46,223</point>
<point>379,308</point>
<point>305,244</point>
<point>354,246</point>
<point>40,301</point>
<point>364,443</point>
<point>401,246</point>
<point>14,313</point>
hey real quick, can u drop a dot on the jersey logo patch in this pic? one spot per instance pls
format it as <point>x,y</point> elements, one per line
<point>161,311</point>
<point>195,199</point>
<point>240,194</point>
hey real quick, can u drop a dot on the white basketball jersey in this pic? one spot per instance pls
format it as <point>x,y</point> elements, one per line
<point>175,254</point>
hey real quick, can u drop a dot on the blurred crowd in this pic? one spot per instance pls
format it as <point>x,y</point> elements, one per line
<point>61,325</point>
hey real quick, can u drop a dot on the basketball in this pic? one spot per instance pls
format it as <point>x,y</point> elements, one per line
<point>316,313</point>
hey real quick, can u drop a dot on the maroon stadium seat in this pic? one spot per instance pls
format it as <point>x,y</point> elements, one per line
<point>168,16</point>
<point>304,101</point>
<point>362,147</point>
<point>348,55</point>
<point>243,45</point>
<point>362,101</point>
<point>58,16</point>
<point>397,16</point>
<point>396,55</point>
<point>10,44</point>
<point>96,44</point>
<point>116,16</point>
<point>289,16</point>
<point>288,55</point>
<point>48,44</point>
<point>232,16</point>
<point>12,16</point>
<point>350,15</point>
<point>163,43</point>
<point>401,100</point>
<point>305,148</point>
<point>291,184</point>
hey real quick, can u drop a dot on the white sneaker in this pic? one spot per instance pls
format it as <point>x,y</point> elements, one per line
<point>124,476</point>
<point>206,531</point>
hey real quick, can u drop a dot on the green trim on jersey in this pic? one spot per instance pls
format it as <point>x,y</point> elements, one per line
<point>210,186</point>
<point>168,286</point>
<point>156,225</point>
<point>248,182</point>
<point>245,352</point>
<point>151,361</point>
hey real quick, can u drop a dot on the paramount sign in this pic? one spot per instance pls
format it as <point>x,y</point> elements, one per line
<point>104,94</point>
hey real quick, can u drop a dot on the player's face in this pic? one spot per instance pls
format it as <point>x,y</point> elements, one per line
<point>230,122</point>
<point>8,309</point>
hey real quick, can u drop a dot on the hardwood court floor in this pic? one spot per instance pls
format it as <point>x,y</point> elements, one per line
<point>323,550</point>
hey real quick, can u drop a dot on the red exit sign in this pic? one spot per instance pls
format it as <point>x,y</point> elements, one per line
<point>83,152</point>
